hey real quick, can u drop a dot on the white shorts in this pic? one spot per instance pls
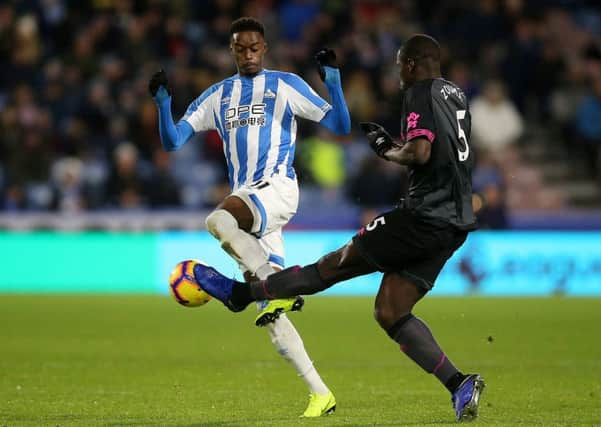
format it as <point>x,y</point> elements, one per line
<point>273,202</point>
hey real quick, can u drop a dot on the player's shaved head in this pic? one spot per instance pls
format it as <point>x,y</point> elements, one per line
<point>419,59</point>
<point>421,46</point>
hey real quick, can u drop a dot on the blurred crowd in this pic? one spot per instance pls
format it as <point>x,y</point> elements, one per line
<point>78,130</point>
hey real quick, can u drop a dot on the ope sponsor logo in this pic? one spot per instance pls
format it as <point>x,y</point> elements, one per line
<point>245,115</point>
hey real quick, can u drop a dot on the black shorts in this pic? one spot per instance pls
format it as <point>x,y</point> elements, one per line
<point>399,241</point>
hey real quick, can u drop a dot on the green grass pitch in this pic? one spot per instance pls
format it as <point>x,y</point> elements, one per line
<point>125,360</point>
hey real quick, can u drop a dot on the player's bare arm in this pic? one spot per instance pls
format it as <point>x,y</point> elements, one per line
<point>414,152</point>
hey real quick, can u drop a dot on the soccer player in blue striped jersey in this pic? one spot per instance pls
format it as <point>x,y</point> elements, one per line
<point>255,112</point>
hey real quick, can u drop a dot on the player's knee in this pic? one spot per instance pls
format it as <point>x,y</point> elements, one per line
<point>388,314</point>
<point>328,266</point>
<point>221,224</point>
<point>397,330</point>
<point>385,317</point>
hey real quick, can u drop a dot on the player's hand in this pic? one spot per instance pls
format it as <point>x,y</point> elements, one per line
<point>158,81</point>
<point>325,58</point>
<point>379,140</point>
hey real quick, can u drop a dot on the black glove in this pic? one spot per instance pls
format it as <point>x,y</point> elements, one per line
<point>379,140</point>
<point>325,58</point>
<point>157,80</point>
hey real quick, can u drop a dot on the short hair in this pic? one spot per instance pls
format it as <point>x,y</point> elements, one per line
<point>247,23</point>
<point>421,46</point>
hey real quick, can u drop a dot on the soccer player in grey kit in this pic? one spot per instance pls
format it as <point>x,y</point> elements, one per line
<point>409,244</point>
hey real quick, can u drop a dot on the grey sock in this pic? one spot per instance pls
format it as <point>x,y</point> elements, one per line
<point>417,342</point>
<point>288,283</point>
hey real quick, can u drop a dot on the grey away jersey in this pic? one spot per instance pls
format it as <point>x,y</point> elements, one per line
<point>441,189</point>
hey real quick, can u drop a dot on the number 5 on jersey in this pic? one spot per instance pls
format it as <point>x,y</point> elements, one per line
<point>378,221</point>
<point>463,155</point>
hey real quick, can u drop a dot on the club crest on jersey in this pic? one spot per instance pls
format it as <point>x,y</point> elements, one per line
<point>245,115</point>
<point>412,119</point>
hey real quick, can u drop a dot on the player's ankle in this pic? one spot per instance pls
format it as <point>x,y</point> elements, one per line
<point>455,381</point>
<point>241,295</point>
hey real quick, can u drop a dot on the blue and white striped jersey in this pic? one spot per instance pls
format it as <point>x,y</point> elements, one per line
<point>256,118</point>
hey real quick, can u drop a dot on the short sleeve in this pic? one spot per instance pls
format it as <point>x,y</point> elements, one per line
<point>201,112</point>
<point>419,117</point>
<point>303,100</point>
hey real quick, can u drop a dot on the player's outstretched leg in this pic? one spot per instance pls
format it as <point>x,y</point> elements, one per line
<point>467,397</point>
<point>246,249</point>
<point>222,288</point>
<point>217,285</point>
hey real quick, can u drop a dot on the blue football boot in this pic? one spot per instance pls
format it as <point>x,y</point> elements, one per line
<point>216,284</point>
<point>466,398</point>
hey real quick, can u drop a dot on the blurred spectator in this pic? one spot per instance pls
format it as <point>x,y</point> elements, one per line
<point>26,132</point>
<point>489,186</point>
<point>566,98</point>
<point>519,64</point>
<point>549,71</point>
<point>28,172</point>
<point>69,188</point>
<point>26,50</point>
<point>126,185</point>
<point>163,190</point>
<point>496,123</point>
<point>96,112</point>
<point>588,127</point>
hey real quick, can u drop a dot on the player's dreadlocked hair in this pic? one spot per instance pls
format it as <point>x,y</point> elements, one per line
<point>422,46</point>
<point>247,23</point>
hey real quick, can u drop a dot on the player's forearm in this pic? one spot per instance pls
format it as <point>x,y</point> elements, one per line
<point>406,155</point>
<point>338,119</point>
<point>401,155</point>
<point>172,136</point>
<point>414,152</point>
